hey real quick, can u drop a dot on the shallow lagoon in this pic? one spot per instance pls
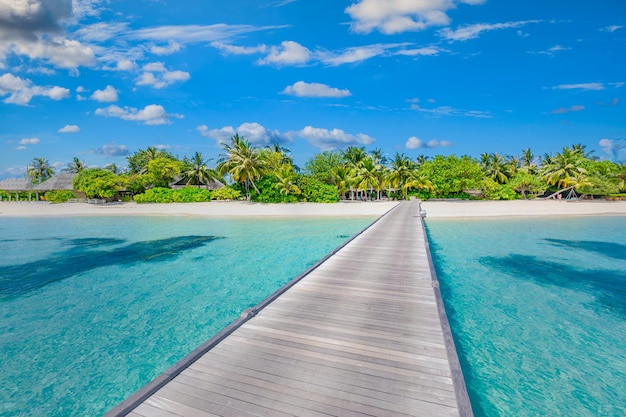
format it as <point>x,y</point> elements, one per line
<point>537,307</point>
<point>93,308</point>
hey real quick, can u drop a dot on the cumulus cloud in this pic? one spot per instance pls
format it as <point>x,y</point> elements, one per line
<point>156,75</point>
<point>415,143</point>
<point>288,53</point>
<point>168,49</point>
<point>59,51</point>
<point>108,95</point>
<point>152,114</point>
<point>112,149</point>
<point>329,140</point>
<point>24,19</point>
<point>21,91</point>
<point>571,109</point>
<point>69,129</point>
<point>615,148</point>
<point>397,16</point>
<point>304,89</point>
<point>473,31</point>
<point>254,132</point>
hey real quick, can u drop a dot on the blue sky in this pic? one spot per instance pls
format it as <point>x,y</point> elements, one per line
<point>100,79</point>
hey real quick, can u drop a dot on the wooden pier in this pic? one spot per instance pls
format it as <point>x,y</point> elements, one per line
<point>362,333</point>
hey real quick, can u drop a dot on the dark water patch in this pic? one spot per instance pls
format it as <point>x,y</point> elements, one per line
<point>17,280</point>
<point>609,287</point>
<point>344,236</point>
<point>92,242</point>
<point>610,249</point>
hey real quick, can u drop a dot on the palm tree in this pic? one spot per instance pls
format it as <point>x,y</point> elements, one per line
<point>421,160</point>
<point>40,170</point>
<point>620,176</point>
<point>242,162</point>
<point>563,168</point>
<point>399,172</point>
<point>286,176</point>
<point>197,172</point>
<point>418,181</point>
<point>112,167</point>
<point>353,155</point>
<point>366,176</point>
<point>75,166</point>
<point>496,167</point>
<point>342,179</point>
<point>378,156</point>
<point>528,162</point>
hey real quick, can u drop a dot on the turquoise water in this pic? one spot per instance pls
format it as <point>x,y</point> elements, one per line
<point>93,308</point>
<point>538,312</point>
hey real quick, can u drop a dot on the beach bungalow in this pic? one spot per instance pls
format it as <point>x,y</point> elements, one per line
<point>180,182</point>
<point>16,186</point>
<point>63,181</point>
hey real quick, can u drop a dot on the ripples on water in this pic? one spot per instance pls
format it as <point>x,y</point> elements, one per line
<point>538,311</point>
<point>93,308</point>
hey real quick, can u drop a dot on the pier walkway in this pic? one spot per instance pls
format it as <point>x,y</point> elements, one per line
<point>363,333</point>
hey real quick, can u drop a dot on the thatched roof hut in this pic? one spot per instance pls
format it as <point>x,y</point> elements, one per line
<point>63,181</point>
<point>16,184</point>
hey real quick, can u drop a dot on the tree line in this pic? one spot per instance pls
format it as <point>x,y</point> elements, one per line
<point>268,174</point>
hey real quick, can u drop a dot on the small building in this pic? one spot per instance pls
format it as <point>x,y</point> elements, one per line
<point>180,182</point>
<point>18,185</point>
<point>63,181</point>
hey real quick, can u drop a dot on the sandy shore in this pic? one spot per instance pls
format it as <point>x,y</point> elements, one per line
<point>434,209</point>
<point>214,208</point>
<point>438,209</point>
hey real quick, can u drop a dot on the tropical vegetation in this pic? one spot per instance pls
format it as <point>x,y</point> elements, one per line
<point>269,175</point>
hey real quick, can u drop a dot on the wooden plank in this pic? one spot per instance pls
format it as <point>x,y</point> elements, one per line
<point>359,335</point>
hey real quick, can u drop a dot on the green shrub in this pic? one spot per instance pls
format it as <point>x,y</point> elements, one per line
<point>270,193</point>
<point>226,193</point>
<point>156,195</point>
<point>192,195</point>
<point>314,191</point>
<point>59,196</point>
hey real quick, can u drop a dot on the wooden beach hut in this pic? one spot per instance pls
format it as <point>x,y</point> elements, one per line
<point>16,186</point>
<point>63,181</point>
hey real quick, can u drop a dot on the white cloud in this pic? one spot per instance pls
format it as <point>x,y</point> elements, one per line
<point>289,53</point>
<point>358,53</point>
<point>303,89</point>
<point>152,114</point>
<point>69,129</point>
<point>239,50</point>
<point>615,148</point>
<point>29,141</point>
<point>415,143</point>
<point>170,48</point>
<point>451,111</point>
<point>21,91</point>
<point>108,95</point>
<point>254,132</point>
<point>552,51</point>
<point>612,28</point>
<point>582,86</point>
<point>156,75</point>
<point>396,16</point>
<point>329,140</point>
<point>196,33</point>
<point>563,110</point>
<point>473,31</point>
<point>427,51</point>
<point>61,52</point>
<point>112,149</point>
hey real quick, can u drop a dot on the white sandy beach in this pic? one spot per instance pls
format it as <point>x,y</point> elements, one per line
<point>434,209</point>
